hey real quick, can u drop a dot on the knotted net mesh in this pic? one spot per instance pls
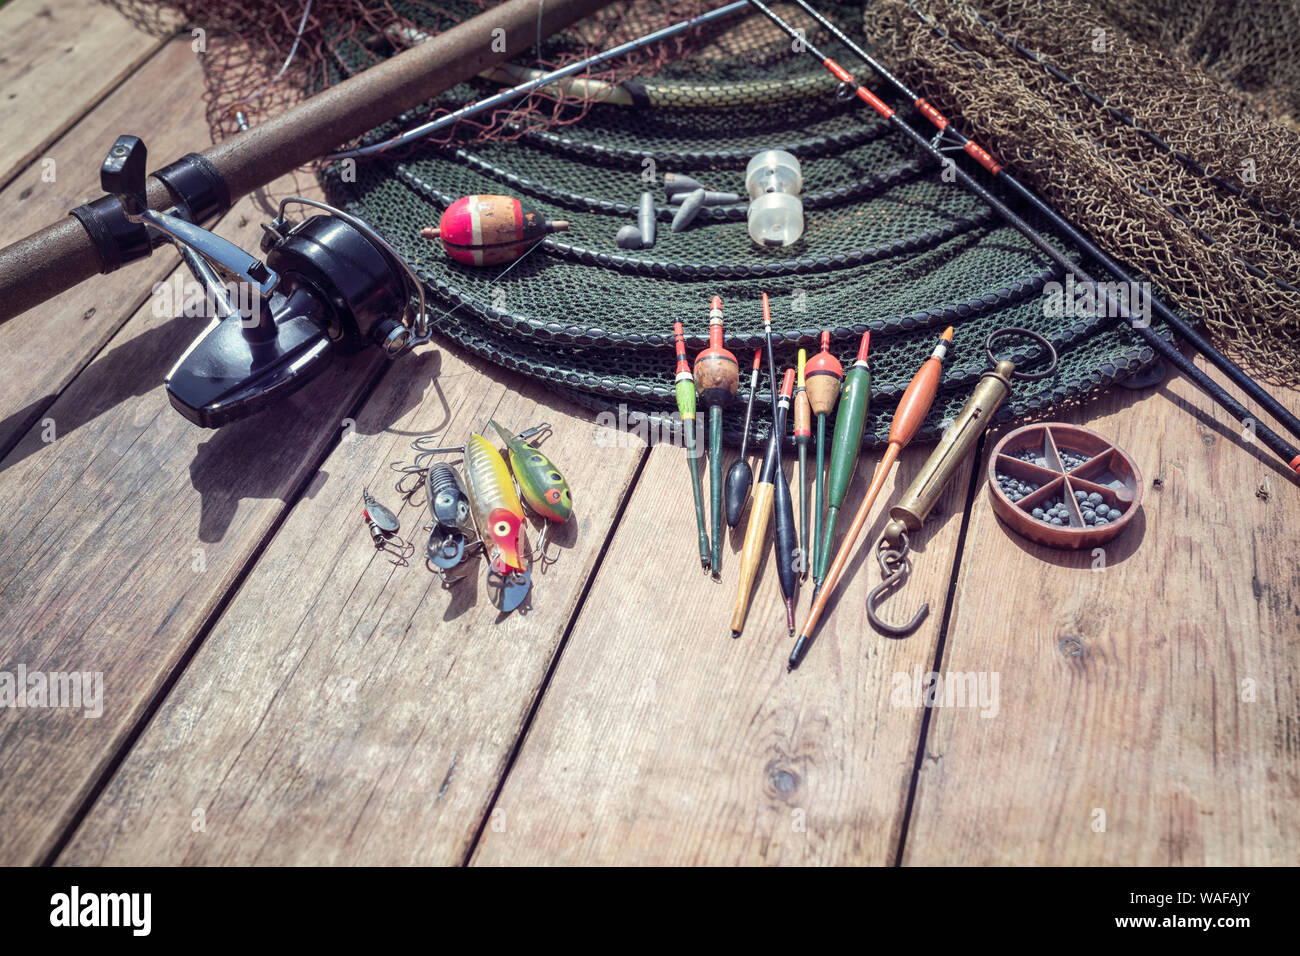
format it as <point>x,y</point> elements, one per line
<point>890,245</point>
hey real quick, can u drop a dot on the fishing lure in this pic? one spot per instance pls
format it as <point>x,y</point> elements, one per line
<point>380,520</point>
<point>450,524</point>
<point>500,520</point>
<point>383,527</point>
<point>542,486</point>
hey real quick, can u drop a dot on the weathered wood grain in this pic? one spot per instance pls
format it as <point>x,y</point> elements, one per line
<point>1159,691</point>
<point>57,60</point>
<point>344,710</point>
<point>662,740</point>
<point>46,348</point>
<point>122,536</point>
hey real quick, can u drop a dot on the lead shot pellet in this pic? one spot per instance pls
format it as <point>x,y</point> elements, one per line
<point>1053,512</point>
<point>1015,488</point>
<point>1071,460</point>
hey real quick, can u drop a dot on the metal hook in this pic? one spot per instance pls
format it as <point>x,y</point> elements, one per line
<point>893,565</point>
<point>544,427</point>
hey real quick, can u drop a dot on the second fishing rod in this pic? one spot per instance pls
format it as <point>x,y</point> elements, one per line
<point>1113,306</point>
<point>945,128</point>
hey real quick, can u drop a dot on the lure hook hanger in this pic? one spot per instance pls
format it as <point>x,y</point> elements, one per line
<point>894,567</point>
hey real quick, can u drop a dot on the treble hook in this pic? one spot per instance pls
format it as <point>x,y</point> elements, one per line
<point>893,565</point>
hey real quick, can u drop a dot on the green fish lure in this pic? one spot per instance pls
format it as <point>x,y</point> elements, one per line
<point>541,485</point>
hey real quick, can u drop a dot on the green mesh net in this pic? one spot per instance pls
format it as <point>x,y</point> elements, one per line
<point>889,246</point>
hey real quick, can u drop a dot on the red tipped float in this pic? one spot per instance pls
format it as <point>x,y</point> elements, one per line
<point>490,230</point>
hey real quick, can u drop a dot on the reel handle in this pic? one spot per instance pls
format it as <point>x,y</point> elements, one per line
<point>123,174</point>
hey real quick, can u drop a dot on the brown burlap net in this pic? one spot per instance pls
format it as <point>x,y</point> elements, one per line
<point>1200,241</point>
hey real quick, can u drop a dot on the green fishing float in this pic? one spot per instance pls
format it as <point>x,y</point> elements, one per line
<point>685,387</point>
<point>849,421</point>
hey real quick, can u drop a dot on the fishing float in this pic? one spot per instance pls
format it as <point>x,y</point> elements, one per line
<point>740,476</point>
<point>717,378</point>
<point>784,539</point>
<point>802,438</point>
<point>912,409</point>
<point>854,399</point>
<point>822,378</point>
<point>760,513</point>
<point>785,542</point>
<point>685,387</point>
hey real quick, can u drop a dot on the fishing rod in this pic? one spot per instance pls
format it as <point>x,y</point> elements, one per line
<point>740,476</point>
<point>685,387</point>
<point>65,253</point>
<point>849,422</point>
<point>1279,446</point>
<point>912,409</point>
<point>717,378</point>
<point>523,89</point>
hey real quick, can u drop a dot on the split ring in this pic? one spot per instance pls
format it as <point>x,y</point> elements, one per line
<point>1016,330</point>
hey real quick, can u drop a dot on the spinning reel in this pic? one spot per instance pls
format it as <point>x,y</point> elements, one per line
<point>328,283</point>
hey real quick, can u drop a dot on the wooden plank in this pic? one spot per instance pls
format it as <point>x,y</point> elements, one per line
<point>122,537</point>
<point>344,710</point>
<point>46,348</point>
<point>1158,691</point>
<point>664,741</point>
<point>57,60</point>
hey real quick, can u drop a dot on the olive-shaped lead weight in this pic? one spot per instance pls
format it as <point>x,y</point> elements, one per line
<point>629,237</point>
<point>711,198</point>
<point>690,209</point>
<point>645,218</point>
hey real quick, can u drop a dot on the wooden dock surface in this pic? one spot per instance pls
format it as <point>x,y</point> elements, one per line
<point>275,691</point>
